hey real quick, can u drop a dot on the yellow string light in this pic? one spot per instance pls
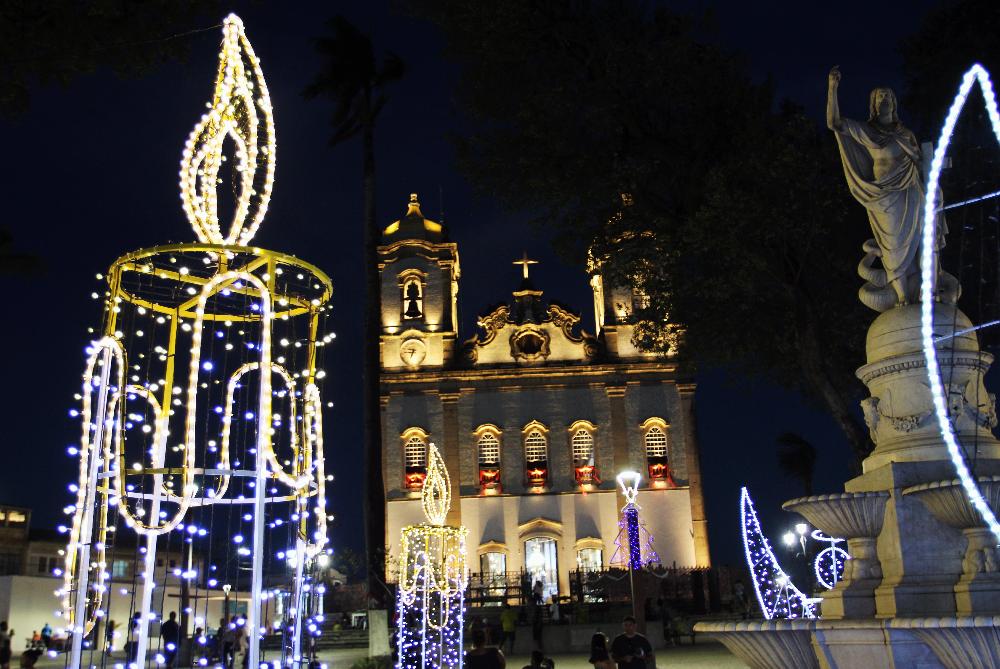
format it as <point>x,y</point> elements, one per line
<point>436,496</point>
<point>240,111</point>
<point>240,91</point>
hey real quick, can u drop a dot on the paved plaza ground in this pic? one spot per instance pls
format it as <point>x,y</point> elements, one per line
<point>705,655</point>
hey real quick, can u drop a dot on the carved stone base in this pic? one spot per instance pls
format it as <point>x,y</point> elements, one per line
<point>900,412</point>
<point>854,597</point>
<point>918,597</point>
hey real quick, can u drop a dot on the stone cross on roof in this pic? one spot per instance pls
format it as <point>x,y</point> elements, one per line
<point>524,262</point>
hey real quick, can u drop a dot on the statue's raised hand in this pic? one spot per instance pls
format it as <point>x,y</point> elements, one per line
<point>834,77</point>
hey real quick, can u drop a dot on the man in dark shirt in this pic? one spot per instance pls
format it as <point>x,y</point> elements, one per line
<point>631,650</point>
<point>170,631</point>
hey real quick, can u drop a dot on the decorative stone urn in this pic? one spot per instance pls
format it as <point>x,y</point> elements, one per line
<point>978,590</point>
<point>858,518</point>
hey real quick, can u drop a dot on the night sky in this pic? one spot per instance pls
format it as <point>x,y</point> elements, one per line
<point>90,172</point>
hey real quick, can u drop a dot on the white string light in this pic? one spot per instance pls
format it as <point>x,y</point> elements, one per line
<point>777,595</point>
<point>976,74</point>
<point>432,579</point>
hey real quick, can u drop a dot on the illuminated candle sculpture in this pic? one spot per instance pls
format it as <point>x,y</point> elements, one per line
<point>634,543</point>
<point>432,580</point>
<point>200,400</point>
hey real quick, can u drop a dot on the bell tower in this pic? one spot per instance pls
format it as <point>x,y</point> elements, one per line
<point>419,272</point>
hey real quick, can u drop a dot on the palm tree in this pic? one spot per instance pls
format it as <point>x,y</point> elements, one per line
<point>356,80</point>
<point>797,459</point>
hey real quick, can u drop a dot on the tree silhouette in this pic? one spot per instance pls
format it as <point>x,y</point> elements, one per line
<point>797,459</point>
<point>355,80</point>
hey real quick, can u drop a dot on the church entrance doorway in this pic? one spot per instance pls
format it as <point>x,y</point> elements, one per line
<point>541,563</point>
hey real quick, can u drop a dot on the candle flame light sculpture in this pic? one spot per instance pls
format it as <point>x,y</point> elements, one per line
<point>432,580</point>
<point>235,443</point>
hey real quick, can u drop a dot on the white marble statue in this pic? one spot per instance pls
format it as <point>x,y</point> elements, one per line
<point>885,173</point>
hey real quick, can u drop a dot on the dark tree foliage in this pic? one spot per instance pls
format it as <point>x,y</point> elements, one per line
<point>56,41</point>
<point>950,39</point>
<point>649,148</point>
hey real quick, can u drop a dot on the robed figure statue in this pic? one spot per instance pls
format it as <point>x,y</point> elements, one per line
<point>885,173</point>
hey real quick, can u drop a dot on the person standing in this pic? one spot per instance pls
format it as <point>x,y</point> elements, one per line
<point>599,655</point>
<point>482,656</point>
<point>109,636</point>
<point>170,633</point>
<point>508,627</point>
<point>241,644</point>
<point>46,635</point>
<point>5,645</point>
<point>228,643</point>
<point>630,649</point>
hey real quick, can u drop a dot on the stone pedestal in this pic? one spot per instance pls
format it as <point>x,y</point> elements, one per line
<point>920,554</point>
<point>977,591</point>
<point>923,581</point>
<point>900,413</point>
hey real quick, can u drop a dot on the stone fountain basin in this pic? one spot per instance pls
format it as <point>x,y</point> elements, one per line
<point>847,515</point>
<point>927,643</point>
<point>948,503</point>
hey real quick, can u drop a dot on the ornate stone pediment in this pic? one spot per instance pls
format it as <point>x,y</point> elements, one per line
<point>529,331</point>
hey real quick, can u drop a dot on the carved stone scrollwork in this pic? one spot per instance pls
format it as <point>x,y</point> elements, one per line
<point>960,405</point>
<point>564,320</point>
<point>493,323</point>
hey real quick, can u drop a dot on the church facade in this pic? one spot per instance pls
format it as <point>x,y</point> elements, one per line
<point>534,417</point>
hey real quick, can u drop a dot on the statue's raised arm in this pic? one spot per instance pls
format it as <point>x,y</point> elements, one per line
<point>832,105</point>
<point>884,172</point>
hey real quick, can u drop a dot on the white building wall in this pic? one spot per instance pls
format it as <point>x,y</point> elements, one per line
<point>571,516</point>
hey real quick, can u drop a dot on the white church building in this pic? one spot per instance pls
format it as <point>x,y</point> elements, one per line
<point>534,417</point>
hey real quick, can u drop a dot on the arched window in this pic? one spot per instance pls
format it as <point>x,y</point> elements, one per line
<point>412,293</point>
<point>536,453</point>
<point>654,439</point>
<point>583,447</point>
<point>414,442</point>
<point>656,443</point>
<point>488,445</point>
<point>581,440</point>
<point>489,450</point>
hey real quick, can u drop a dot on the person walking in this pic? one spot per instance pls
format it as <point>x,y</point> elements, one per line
<point>599,655</point>
<point>508,627</point>
<point>170,633</point>
<point>5,645</point>
<point>109,636</point>
<point>482,656</point>
<point>632,650</point>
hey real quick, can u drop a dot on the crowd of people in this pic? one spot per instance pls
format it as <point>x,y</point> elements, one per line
<point>628,650</point>
<point>35,646</point>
